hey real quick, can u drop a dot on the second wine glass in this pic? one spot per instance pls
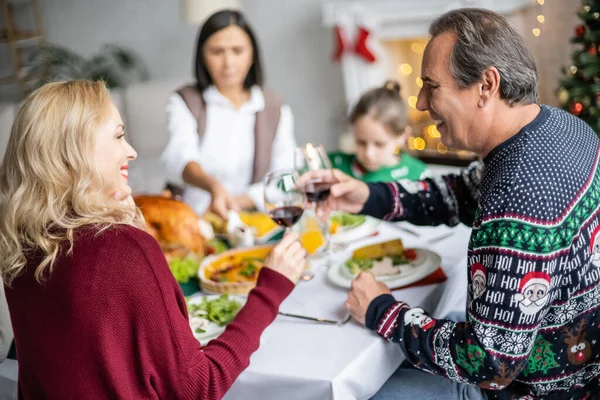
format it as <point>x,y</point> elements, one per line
<point>311,158</point>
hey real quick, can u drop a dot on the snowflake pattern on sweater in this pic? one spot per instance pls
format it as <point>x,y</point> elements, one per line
<point>533,303</point>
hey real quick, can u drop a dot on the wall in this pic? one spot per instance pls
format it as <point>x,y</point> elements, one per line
<point>552,49</point>
<point>295,47</point>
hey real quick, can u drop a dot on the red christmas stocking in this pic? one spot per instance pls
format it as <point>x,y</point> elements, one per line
<point>361,45</point>
<point>340,42</point>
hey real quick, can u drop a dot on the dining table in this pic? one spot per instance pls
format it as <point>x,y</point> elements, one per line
<point>301,359</point>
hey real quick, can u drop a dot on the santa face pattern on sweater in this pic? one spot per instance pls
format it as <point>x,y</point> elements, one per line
<point>533,315</point>
<point>478,280</point>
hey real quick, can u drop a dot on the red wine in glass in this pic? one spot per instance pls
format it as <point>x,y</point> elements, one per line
<point>286,216</point>
<point>317,192</point>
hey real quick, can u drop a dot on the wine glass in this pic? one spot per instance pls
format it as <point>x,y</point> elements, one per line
<point>310,158</point>
<point>285,202</point>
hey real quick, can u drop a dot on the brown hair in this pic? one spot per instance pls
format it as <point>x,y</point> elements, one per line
<point>385,105</point>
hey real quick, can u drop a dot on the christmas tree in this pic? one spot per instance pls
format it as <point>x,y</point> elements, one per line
<point>471,358</point>
<point>579,92</point>
<point>541,357</point>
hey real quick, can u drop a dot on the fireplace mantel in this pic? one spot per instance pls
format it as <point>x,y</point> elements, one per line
<point>394,20</point>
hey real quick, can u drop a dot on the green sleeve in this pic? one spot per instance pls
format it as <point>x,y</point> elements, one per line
<point>342,161</point>
<point>417,169</point>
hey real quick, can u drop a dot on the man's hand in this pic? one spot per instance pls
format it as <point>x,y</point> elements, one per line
<point>364,290</point>
<point>347,194</point>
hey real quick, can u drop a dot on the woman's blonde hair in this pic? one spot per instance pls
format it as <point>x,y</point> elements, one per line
<point>49,185</point>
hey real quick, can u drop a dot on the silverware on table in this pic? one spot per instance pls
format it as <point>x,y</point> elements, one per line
<point>344,320</point>
<point>409,231</point>
<point>323,320</point>
<point>439,238</point>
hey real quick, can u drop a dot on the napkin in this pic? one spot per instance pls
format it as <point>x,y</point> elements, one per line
<point>437,276</point>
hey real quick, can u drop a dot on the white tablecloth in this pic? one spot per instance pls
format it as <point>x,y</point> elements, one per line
<point>306,360</point>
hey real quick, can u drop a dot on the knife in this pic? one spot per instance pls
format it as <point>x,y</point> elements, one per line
<point>323,320</point>
<point>403,229</point>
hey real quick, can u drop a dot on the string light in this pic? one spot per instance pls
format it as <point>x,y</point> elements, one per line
<point>412,101</point>
<point>441,148</point>
<point>406,69</point>
<point>419,82</point>
<point>419,144</point>
<point>432,131</point>
<point>411,142</point>
<point>416,48</point>
<point>540,19</point>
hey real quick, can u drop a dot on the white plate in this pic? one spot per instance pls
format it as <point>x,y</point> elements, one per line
<point>426,262</point>
<point>213,330</point>
<point>363,230</point>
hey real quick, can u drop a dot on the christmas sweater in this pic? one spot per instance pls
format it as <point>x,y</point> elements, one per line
<point>408,167</point>
<point>533,302</point>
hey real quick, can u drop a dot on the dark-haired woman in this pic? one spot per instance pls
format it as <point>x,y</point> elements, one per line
<point>226,131</point>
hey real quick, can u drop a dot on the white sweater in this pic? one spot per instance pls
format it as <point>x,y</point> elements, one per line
<point>226,151</point>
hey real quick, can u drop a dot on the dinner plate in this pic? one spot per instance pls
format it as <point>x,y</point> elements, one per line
<point>363,230</point>
<point>212,330</point>
<point>423,265</point>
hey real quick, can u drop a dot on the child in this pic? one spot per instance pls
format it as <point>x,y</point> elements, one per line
<point>379,121</point>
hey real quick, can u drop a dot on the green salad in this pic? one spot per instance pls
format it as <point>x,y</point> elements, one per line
<point>346,220</point>
<point>221,310</point>
<point>217,246</point>
<point>184,269</point>
<point>356,265</point>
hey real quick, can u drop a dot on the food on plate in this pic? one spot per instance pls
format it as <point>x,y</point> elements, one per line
<point>234,271</point>
<point>381,259</point>
<point>245,270</point>
<point>173,224</point>
<point>217,246</point>
<point>220,311</point>
<point>342,221</point>
<point>219,224</point>
<point>260,223</point>
<point>184,268</point>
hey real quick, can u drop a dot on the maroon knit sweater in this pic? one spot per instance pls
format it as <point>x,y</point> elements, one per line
<point>111,322</point>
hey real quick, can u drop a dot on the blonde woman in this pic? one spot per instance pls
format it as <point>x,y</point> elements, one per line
<point>95,310</point>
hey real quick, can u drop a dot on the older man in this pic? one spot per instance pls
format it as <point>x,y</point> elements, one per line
<point>533,326</point>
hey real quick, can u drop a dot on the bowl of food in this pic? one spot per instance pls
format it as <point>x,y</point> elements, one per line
<point>209,315</point>
<point>234,271</point>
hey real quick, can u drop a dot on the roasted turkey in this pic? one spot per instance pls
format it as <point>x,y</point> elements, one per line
<point>173,223</point>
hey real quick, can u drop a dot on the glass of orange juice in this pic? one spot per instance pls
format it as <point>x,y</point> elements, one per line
<point>309,230</point>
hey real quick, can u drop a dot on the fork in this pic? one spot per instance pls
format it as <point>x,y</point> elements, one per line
<point>345,320</point>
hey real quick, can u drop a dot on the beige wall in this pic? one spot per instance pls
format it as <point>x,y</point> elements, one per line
<point>552,49</point>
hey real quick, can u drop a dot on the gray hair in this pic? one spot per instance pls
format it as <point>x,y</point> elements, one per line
<point>485,39</point>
